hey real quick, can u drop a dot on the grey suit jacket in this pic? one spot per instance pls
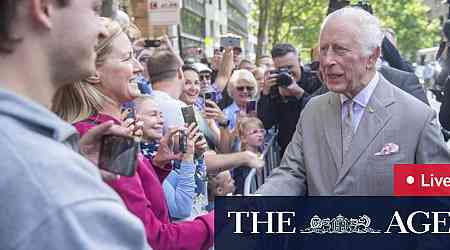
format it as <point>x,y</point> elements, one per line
<point>313,163</point>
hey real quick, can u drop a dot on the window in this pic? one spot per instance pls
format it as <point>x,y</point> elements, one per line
<point>221,29</point>
<point>193,24</point>
<point>211,28</point>
<point>220,4</point>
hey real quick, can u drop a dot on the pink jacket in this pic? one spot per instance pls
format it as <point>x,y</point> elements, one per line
<point>144,197</point>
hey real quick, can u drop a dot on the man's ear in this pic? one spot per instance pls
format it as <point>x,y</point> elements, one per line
<point>41,11</point>
<point>374,57</point>
<point>95,79</point>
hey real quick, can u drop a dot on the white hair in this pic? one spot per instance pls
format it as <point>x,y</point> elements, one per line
<point>369,34</point>
<point>242,75</point>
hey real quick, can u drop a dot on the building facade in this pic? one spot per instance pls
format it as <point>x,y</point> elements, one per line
<point>204,21</point>
<point>438,9</point>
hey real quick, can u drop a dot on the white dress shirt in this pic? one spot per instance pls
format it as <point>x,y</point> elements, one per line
<point>360,102</point>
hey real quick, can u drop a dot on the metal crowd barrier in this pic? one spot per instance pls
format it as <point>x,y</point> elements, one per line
<point>271,155</point>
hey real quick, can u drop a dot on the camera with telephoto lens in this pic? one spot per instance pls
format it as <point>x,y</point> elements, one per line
<point>283,76</point>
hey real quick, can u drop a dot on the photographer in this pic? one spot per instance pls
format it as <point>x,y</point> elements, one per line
<point>285,93</point>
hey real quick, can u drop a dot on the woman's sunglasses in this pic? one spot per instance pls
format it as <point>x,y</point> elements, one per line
<point>248,88</point>
<point>204,77</point>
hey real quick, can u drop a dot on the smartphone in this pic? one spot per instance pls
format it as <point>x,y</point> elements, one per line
<point>228,41</point>
<point>118,155</point>
<point>188,115</point>
<point>152,43</point>
<point>182,144</point>
<point>209,96</point>
<point>250,107</point>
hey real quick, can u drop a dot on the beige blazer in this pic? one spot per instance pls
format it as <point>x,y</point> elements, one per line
<point>313,163</point>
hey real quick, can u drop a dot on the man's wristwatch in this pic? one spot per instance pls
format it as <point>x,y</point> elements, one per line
<point>224,124</point>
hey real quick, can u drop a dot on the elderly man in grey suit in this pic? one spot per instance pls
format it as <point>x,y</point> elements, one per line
<point>348,139</point>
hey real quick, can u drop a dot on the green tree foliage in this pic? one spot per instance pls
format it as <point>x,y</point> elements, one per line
<point>409,21</point>
<point>298,22</point>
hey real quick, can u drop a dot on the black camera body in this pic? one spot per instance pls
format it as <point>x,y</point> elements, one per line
<point>283,76</point>
<point>148,43</point>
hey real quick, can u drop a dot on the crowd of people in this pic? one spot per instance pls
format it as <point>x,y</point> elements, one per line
<point>199,127</point>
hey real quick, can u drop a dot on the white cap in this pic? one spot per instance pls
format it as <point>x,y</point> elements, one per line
<point>200,67</point>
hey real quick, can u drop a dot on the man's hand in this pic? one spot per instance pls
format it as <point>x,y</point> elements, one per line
<point>270,80</point>
<point>165,43</point>
<point>91,141</point>
<point>292,90</point>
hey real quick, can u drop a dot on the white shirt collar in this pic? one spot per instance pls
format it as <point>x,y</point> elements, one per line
<point>363,97</point>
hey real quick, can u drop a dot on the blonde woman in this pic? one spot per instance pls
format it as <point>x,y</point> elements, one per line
<point>98,100</point>
<point>242,87</point>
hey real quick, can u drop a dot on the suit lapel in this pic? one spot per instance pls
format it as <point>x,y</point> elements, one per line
<point>331,121</point>
<point>374,119</point>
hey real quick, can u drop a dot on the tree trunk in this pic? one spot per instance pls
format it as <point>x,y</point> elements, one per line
<point>336,4</point>
<point>263,26</point>
<point>277,21</point>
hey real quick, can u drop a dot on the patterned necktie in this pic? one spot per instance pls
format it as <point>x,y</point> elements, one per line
<point>347,127</point>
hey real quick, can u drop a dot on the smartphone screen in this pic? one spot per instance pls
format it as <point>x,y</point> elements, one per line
<point>209,96</point>
<point>250,107</point>
<point>152,43</point>
<point>188,115</point>
<point>118,155</point>
<point>234,42</point>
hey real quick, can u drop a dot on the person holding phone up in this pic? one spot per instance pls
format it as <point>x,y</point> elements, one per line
<point>97,100</point>
<point>242,88</point>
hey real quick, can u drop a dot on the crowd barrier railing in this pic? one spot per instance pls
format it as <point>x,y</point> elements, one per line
<point>271,155</point>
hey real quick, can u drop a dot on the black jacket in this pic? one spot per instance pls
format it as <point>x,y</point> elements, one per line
<point>283,114</point>
<point>404,80</point>
<point>444,113</point>
<point>393,57</point>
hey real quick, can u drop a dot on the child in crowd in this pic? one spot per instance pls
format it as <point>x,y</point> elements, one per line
<point>251,134</point>
<point>179,186</point>
<point>221,184</point>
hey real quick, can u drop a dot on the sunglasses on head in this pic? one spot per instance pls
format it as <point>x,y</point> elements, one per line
<point>248,88</point>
